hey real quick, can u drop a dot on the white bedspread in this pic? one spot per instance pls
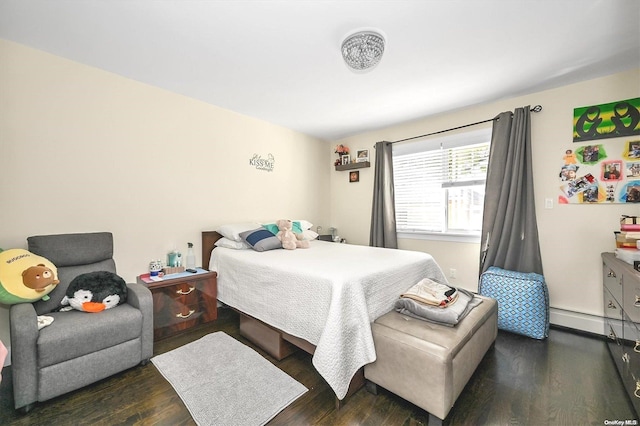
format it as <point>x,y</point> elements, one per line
<point>327,294</point>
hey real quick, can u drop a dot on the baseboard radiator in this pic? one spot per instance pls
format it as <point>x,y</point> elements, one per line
<point>576,320</point>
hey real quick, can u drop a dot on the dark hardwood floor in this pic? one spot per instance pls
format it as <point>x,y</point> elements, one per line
<point>568,379</point>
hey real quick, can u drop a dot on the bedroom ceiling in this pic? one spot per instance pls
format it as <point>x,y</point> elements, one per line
<point>280,61</point>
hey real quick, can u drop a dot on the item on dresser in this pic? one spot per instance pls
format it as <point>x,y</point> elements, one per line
<point>191,256</point>
<point>628,255</point>
<point>627,239</point>
<point>182,301</point>
<point>174,270</point>
<point>629,223</point>
<point>155,266</point>
<point>173,259</point>
<point>621,299</point>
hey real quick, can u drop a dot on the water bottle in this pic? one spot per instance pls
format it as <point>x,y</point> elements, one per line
<point>191,257</point>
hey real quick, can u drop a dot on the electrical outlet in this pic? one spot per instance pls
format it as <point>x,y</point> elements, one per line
<point>453,273</point>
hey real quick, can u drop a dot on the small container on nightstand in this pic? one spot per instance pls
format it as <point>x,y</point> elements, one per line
<point>182,301</point>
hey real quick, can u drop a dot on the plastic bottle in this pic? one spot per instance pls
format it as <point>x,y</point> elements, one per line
<point>191,257</point>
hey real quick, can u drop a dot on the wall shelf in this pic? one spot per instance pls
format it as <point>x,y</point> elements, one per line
<point>352,166</point>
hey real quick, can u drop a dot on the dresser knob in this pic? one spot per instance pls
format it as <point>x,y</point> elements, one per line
<point>611,274</point>
<point>637,389</point>
<point>637,302</point>
<point>612,334</point>
<point>611,305</point>
<point>181,315</point>
<point>636,348</point>
<point>625,357</point>
<point>182,292</point>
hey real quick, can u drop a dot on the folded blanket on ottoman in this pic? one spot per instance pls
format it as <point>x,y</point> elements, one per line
<point>450,315</point>
<point>431,292</point>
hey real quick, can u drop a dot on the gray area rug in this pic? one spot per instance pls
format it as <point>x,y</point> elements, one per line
<point>223,382</point>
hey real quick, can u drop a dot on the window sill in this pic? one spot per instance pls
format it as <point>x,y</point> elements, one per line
<point>454,238</point>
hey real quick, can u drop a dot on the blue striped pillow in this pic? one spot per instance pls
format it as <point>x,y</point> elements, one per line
<point>261,239</point>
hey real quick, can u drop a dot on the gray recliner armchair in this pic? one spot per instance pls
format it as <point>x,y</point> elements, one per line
<point>78,348</point>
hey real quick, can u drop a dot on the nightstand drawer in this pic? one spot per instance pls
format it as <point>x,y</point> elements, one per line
<point>176,316</point>
<point>184,302</point>
<point>187,293</point>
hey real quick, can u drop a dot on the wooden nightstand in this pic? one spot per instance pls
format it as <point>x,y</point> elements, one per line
<point>182,302</point>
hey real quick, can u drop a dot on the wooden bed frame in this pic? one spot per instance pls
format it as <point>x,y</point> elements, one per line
<point>275,342</point>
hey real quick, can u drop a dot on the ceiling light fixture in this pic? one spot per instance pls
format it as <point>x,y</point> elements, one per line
<point>363,50</point>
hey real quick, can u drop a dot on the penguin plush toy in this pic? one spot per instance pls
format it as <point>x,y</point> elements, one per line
<point>95,292</point>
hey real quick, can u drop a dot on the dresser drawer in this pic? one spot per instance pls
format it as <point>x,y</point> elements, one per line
<point>612,281</point>
<point>614,343</point>
<point>612,308</point>
<point>629,369</point>
<point>631,298</point>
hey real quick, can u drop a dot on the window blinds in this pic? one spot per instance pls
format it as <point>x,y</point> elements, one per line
<point>422,178</point>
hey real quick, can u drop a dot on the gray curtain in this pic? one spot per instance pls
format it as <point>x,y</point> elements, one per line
<point>509,228</point>
<point>383,212</point>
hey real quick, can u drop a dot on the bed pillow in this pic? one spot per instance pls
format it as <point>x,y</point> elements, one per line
<point>309,235</point>
<point>236,245</point>
<point>261,239</point>
<point>296,228</point>
<point>304,224</point>
<point>232,231</point>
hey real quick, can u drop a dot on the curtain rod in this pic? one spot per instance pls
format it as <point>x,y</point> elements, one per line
<point>536,108</point>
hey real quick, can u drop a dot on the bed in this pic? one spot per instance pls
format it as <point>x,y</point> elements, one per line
<point>323,298</point>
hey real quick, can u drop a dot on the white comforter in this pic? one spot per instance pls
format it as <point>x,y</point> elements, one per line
<point>327,294</point>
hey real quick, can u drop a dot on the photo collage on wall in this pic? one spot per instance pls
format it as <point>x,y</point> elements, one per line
<point>603,171</point>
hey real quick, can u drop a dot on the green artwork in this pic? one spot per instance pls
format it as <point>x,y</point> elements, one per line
<point>612,120</point>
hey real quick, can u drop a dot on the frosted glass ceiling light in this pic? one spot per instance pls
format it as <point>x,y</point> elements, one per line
<point>363,50</point>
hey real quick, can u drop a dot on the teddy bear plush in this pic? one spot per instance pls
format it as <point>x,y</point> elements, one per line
<point>25,277</point>
<point>289,240</point>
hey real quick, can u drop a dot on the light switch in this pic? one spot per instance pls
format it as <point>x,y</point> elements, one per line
<point>548,203</point>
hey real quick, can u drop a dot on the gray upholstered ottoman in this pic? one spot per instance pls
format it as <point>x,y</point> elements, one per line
<point>429,364</point>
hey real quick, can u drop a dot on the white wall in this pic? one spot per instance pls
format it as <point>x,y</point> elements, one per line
<point>86,150</point>
<point>572,236</point>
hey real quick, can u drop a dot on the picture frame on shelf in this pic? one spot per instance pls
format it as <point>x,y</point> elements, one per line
<point>345,159</point>
<point>354,176</point>
<point>362,156</point>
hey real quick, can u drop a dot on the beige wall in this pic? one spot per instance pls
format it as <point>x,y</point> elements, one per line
<point>572,236</point>
<point>86,150</point>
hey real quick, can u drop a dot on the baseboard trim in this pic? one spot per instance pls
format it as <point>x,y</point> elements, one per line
<point>576,320</point>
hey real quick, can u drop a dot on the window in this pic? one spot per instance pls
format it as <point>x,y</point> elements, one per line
<point>439,185</point>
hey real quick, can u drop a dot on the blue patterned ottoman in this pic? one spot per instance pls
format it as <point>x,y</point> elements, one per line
<point>523,301</point>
